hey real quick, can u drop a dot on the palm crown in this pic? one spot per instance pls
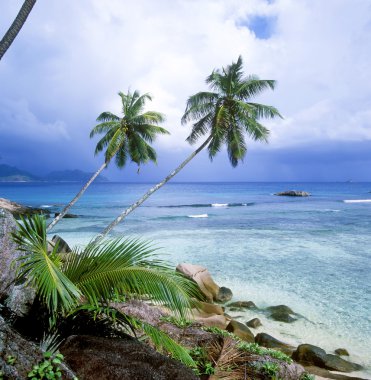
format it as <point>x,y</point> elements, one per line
<point>129,135</point>
<point>227,113</point>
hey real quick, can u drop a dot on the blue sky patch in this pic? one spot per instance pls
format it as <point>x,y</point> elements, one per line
<point>262,26</point>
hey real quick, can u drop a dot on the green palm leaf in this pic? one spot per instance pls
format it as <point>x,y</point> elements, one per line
<point>42,269</point>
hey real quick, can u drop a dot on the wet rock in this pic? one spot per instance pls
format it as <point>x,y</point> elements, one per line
<point>202,277</point>
<point>254,323</point>
<point>325,374</point>
<point>224,295</point>
<point>341,352</point>
<point>311,355</point>
<point>16,296</point>
<point>66,216</point>
<point>207,308</point>
<point>242,305</point>
<point>269,341</point>
<point>107,359</point>
<point>293,193</point>
<point>281,313</point>
<point>335,363</point>
<point>241,330</point>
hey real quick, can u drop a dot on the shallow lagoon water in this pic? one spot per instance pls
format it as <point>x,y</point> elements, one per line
<point>312,254</point>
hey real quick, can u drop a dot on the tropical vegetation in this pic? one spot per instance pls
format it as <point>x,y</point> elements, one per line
<point>92,278</point>
<point>224,115</point>
<point>126,137</point>
<point>16,26</point>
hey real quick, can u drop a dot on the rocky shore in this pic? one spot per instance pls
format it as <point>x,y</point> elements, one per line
<point>223,347</point>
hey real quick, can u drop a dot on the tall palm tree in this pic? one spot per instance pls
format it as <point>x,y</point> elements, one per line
<point>16,26</point>
<point>125,137</point>
<point>225,115</point>
<point>94,277</point>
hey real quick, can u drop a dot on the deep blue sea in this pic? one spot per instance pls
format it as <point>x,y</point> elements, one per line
<point>312,254</point>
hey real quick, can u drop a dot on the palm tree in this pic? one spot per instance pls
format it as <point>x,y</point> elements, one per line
<point>92,278</point>
<point>16,26</point>
<point>125,137</point>
<point>225,115</point>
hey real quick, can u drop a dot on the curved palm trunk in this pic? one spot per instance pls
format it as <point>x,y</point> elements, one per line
<point>74,200</point>
<point>149,193</point>
<point>16,26</point>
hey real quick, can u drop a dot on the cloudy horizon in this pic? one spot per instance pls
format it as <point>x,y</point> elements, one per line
<point>71,58</point>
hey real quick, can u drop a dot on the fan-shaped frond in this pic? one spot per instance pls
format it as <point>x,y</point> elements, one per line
<point>107,116</point>
<point>42,269</point>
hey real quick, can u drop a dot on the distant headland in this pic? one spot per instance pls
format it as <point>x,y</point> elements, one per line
<point>13,174</point>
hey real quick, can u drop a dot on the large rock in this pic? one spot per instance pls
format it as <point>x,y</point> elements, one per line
<point>241,330</point>
<point>269,341</point>
<point>203,279</point>
<point>324,374</point>
<point>308,354</point>
<point>26,353</point>
<point>293,193</point>
<point>63,247</point>
<point>224,295</point>
<point>17,297</point>
<point>254,323</point>
<point>242,305</point>
<point>342,352</point>
<point>107,359</point>
<point>281,313</point>
<point>17,209</point>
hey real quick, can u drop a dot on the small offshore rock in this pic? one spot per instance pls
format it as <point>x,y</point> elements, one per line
<point>269,341</point>
<point>281,313</point>
<point>224,295</point>
<point>341,352</point>
<point>66,216</point>
<point>280,308</point>
<point>254,323</point>
<point>242,305</point>
<point>335,363</point>
<point>241,330</point>
<point>293,193</point>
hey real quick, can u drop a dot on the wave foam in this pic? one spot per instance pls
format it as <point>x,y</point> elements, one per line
<point>198,216</point>
<point>219,204</point>
<point>357,200</point>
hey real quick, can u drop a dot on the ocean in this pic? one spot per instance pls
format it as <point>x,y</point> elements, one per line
<point>312,254</point>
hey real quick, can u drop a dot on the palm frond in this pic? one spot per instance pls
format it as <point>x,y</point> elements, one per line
<point>42,269</point>
<point>107,117</point>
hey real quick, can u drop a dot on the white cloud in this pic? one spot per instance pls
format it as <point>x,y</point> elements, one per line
<point>80,54</point>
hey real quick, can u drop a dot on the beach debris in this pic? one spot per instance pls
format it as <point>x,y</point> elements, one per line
<point>293,193</point>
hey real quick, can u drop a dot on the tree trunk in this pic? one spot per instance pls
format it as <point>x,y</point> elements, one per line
<point>148,194</point>
<point>74,200</point>
<point>14,29</point>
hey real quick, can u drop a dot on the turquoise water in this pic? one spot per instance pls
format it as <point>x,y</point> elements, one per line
<point>313,254</point>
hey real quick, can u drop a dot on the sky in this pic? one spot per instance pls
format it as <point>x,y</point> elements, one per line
<point>71,59</point>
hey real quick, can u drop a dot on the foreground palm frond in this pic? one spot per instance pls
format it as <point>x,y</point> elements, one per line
<point>128,267</point>
<point>42,269</point>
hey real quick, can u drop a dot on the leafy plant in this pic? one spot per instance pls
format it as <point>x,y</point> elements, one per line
<point>10,359</point>
<point>307,376</point>
<point>179,322</point>
<point>270,369</point>
<point>220,332</point>
<point>49,368</point>
<point>256,349</point>
<point>203,364</point>
<point>98,274</point>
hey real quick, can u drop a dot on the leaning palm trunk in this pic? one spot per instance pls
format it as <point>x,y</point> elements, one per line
<point>74,200</point>
<point>16,26</point>
<point>149,193</point>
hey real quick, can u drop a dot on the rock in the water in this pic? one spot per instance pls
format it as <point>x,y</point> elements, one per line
<point>17,297</point>
<point>106,359</point>
<point>241,330</point>
<point>63,247</point>
<point>242,305</point>
<point>281,313</point>
<point>311,355</point>
<point>254,323</point>
<point>66,216</point>
<point>325,374</point>
<point>224,295</point>
<point>269,341</point>
<point>293,193</point>
<point>203,279</point>
<point>335,363</point>
<point>341,352</point>
<point>17,210</point>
